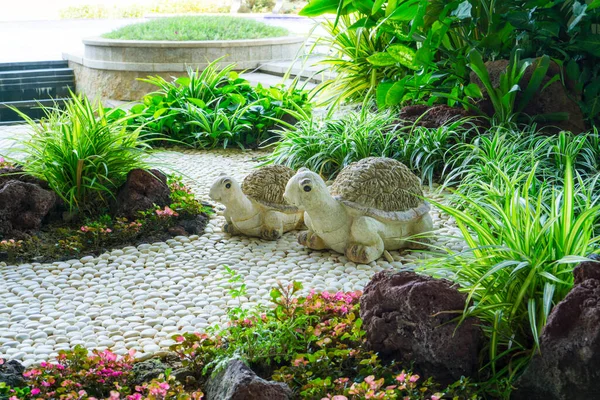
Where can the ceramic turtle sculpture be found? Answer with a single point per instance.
(373, 205)
(256, 207)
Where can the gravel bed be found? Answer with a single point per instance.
(138, 297)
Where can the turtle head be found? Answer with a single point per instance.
(305, 190)
(224, 189)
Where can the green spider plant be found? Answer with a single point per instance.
(522, 250)
(83, 151)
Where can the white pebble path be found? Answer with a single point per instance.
(138, 297)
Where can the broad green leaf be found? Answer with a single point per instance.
(159, 112)
(407, 11)
(403, 55)
(472, 90)
(381, 59)
(381, 93)
(463, 11)
(594, 4)
(318, 7)
(395, 94)
(197, 102)
(183, 81)
(377, 6)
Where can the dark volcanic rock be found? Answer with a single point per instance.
(23, 206)
(142, 190)
(147, 370)
(11, 373)
(238, 382)
(17, 174)
(553, 99)
(404, 317)
(568, 365)
(587, 270)
(432, 117)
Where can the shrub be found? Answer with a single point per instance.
(216, 107)
(522, 248)
(436, 40)
(197, 28)
(83, 151)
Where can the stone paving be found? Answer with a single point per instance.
(138, 297)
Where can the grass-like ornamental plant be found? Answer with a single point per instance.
(328, 145)
(197, 28)
(83, 151)
(523, 247)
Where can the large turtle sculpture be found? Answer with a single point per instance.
(373, 205)
(256, 207)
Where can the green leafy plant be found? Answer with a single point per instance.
(83, 151)
(522, 251)
(216, 107)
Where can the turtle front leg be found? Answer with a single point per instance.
(228, 226)
(311, 240)
(365, 244)
(272, 227)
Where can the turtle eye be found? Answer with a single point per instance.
(228, 185)
(307, 188)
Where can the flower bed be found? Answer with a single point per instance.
(313, 343)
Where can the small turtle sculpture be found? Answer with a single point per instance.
(372, 206)
(256, 207)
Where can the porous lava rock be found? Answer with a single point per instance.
(409, 317)
(23, 207)
(568, 363)
(431, 117)
(142, 191)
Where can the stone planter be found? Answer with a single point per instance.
(110, 68)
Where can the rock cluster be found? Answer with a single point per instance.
(568, 364)
(409, 317)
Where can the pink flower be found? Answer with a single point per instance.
(414, 378)
(339, 397)
(436, 396)
(179, 339)
(13, 398)
(1, 361)
(114, 395)
(35, 391)
(46, 384)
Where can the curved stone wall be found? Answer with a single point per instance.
(108, 68)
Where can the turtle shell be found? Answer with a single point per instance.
(266, 186)
(382, 188)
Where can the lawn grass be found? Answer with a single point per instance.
(197, 28)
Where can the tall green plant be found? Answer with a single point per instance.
(83, 151)
(520, 262)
